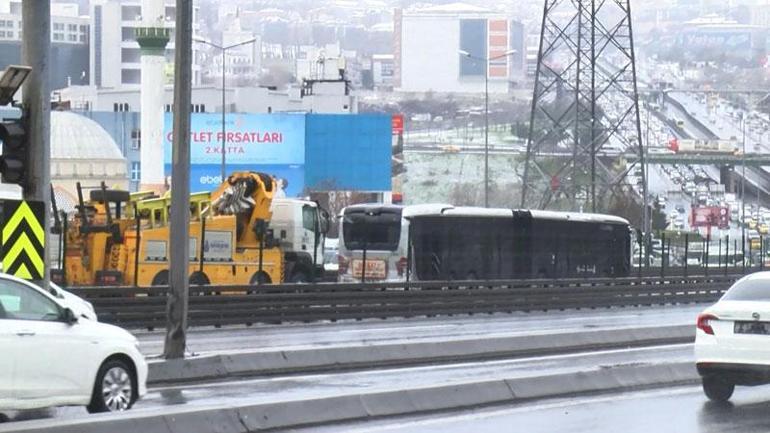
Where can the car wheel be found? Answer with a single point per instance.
(717, 389)
(114, 389)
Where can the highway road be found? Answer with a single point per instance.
(673, 410)
(302, 387)
(421, 329)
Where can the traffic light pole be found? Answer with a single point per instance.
(36, 46)
(176, 329)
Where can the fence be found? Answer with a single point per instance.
(134, 307)
(690, 254)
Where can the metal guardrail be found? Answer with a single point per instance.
(135, 307)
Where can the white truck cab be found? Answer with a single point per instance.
(300, 226)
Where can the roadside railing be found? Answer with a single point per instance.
(145, 307)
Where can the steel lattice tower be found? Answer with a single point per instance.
(584, 122)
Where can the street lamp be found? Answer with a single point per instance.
(224, 51)
(486, 113)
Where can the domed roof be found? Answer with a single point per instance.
(77, 137)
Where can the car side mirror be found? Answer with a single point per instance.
(69, 317)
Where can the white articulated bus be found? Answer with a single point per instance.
(468, 243)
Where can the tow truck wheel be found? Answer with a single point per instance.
(260, 278)
(257, 279)
(197, 279)
(299, 277)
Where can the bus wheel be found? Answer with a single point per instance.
(199, 278)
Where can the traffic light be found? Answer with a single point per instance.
(13, 134)
(14, 158)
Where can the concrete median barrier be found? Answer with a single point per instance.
(361, 406)
(221, 366)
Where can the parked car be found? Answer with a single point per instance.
(58, 359)
(731, 338)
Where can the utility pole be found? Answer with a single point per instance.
(646, 217)
(223, 169)
(486, 112)
(486, 133)
(179, 251)
(35, 52)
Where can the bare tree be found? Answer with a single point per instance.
(329, 196)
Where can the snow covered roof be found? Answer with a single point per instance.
(77, 137)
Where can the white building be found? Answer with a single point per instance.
(242, 61)
(69, 41)
(67, 26)
(115, 58)
(331, 97)
(319, 63)
(382, 70)
(428, 45)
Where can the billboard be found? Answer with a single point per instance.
(270, 143)
(349, 152)
(712, 216)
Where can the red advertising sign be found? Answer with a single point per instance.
(673, 144)
(713, 216)
(555, 183)
(397, 124)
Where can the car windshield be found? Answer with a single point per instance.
(749, 290)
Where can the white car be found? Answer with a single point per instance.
(50, 357)
(78, 305)
(731, 340)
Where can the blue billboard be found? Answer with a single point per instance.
(269, 143)
(348, 152)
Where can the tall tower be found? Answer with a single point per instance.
(584, 134)
(152, 37)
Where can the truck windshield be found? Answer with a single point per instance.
(373, 228)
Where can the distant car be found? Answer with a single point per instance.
(57, 359)
(731, 338)
(331, 265)
(680, 208)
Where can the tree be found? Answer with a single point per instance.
(330, 197)
(467, 194)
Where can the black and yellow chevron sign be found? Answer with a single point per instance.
(23, 238)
